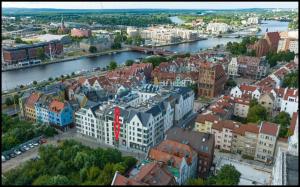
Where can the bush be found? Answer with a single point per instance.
(92, 49)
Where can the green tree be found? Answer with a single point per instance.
(112, 65)
(228, 175)
(256, 113)
(230, 83)
(50, 79)
(290, 80)
(42, 180)
(92, 49)
(283, 119)
(34, 82)
(129, 62)
(8, 101)
(40, 53)
(195, 182)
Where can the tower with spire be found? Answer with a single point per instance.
(62, 26)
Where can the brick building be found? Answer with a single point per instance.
(81, 32)
(212, 79)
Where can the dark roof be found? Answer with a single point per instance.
(292, 169)
(193, 138)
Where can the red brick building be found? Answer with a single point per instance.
(81, 32)
(273, 40)
(212, 78)
(261, 47)
(13, 55)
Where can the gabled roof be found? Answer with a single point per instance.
(121, 180)
(201, 118)
(247, 88)
(56, 106)
(269, 128)
(253, 128)
(32, 99)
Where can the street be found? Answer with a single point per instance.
(70, 134)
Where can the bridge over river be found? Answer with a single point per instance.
(154, 51)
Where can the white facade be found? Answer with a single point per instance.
(236, 92)
(252, 20)
(233, 67)
(290, 105)
(217, 28)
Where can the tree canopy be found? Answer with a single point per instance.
(70, 163)
(256, 113)
(291, 80)
(274, 57)
(92, 49)
(283, 119)
(113, 65)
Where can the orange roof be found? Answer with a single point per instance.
(121, 180)
(81, 80)
(32, 99)
(56, 106)
(290, 93)
(247, 128)
(247, 88)
(269, 128)
(201, 118)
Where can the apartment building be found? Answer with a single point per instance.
(145, 114)
(202, 143)
(233, 68)
(253, 21)
(204, 123)
(217, 28)
(180, 156)
(252, 67)
(244, 139)
(267, 138)
(81, 32)
(241, 106)
(223, 133)
(28, 108)
(289, 102)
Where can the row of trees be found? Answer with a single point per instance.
(274, 57)
(291, 80)
(227, 175)
(70, 163)
(241, 48)
(15, 131)
(135, 40)
(10, 101)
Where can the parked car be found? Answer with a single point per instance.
(12, 155)
(42, 141)
(26, 148)
(35, 143)
(6, 157)
(17, 152)
(3, 158)
(22, 149)
(30, 145)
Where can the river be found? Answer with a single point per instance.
(11, 79)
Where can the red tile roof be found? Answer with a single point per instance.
(121, 180)
(56, 106)
(228, 124)
(290, 93)
(293, 122)
(253, 128)
(247, 88)
(32, 99)
(201, 118)
(269, 128)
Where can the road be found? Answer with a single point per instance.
(70, 134)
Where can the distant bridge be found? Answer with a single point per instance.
(153, 51)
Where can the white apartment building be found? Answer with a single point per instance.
(233, 67)
(289, 102)
(145, 114)
(132, 31)
(253, 21)
(288, 44)
(268, 134)
(240, 90)
(217, 28)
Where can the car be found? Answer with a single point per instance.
(35, 143)
(43, 141)
(12, 155)
(26, 148)
(6, 157)
(3, 158)
(22, 149)
(30, 145)
(18, 152)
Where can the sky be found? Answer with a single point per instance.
(152, 5)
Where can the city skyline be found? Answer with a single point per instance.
(150, 5)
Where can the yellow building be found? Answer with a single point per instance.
(29, 106)
(204, 122)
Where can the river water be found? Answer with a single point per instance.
(11, 79)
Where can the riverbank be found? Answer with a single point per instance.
(95, 55)
(69, 59)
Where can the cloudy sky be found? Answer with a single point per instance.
(162, 5)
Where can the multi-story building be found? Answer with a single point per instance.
(81, 32)
(252, 67)
(223, 133)
(54, 112)
(244, 140)
(153, 173)
(132, 31)
(180, 156)
(233, 67)
(241, 106)
(217, 28)
(212, 79)
(28, 52)
(268, 134)
(30, 112)
(223, 108)
(289, 102)
(253, 21)
(261, 47)
(102, 43)
(204, 122)
(145, 114)
(273, 40)
(268, 102)
(202, 143)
